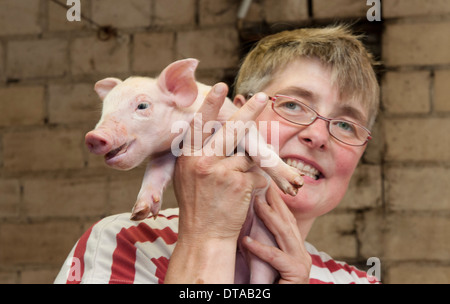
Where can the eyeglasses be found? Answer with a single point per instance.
(296, 112)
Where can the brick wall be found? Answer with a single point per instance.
(52, 189)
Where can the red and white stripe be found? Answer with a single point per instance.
(325, 270)
(117, 250)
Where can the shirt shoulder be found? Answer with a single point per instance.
(325, 270)
(119, 250)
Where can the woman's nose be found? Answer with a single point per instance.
(316, 135)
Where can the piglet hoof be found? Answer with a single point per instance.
(292, 187)
(143, 208)
(288, 179)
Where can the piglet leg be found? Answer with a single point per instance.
(287, 178)
(157, 175)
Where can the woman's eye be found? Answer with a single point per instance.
(290, 105)
(143, 106)
(346, 126)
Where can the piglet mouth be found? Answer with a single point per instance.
(117, 151)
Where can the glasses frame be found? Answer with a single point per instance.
(317, 115)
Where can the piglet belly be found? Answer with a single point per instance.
(261, 272)
(249, 268)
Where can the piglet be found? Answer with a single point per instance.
(136, 126)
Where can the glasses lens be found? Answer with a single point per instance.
(348, 132)
(293, 110)
(296, 112)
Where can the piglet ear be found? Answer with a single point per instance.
(104, 86)
(178, 80)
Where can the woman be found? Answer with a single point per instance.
(320, 86)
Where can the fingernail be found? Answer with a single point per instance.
(261, 97)
(248, 239)
(218, 89)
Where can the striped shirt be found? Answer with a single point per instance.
(117, 250)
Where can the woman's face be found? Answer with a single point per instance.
(313, 146)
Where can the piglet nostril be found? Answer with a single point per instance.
(96, 143)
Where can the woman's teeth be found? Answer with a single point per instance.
(303, 168)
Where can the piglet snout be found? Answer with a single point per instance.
(97, 143)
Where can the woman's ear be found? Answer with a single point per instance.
(239, 100)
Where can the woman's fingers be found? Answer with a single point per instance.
(224, 143)
(207, 112)
(291, 259)
(292, 269)
(286, 235)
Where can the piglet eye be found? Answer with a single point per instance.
(143, 106)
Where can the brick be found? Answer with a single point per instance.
(416, 44)
(37, 58)
(406, 92)
(410, 8)
(364, 189)
(10, 197)
(95, 161)
(169, 198)
(414, 273)
(42, 150)
(122, 14)
(289, 11)
(442, 91)
(90, 55)
(39, 276)
(339, 8)
(148, 46)
(123, 191)
(22, 106)
(333, 233)
(9, 277)
(215, 48)
(64, 197)
(421, 189)
(175, 12)
(37, 243)
(417, 139)
(370, 230)
(417, 237)
(217, 12)
(255, 12)
(74, 103)
(2, 64)
(211, 77)
(374, 152)
(19, 17)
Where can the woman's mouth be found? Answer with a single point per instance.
(306, 169)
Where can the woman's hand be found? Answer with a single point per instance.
(291, 259)
(213, 194)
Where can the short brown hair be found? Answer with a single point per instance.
(335, 46)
